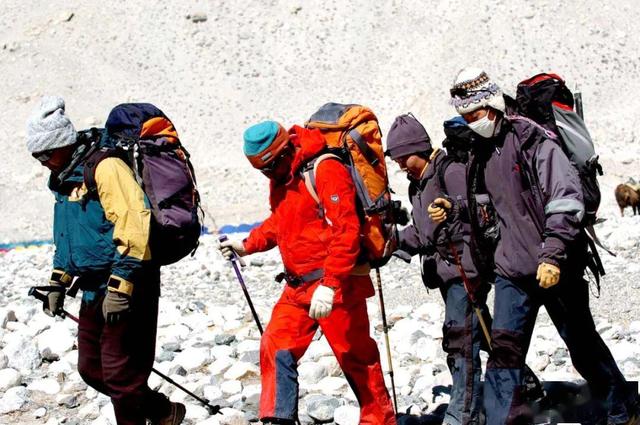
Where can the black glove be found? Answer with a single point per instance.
(115, 306)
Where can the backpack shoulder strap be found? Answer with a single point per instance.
(442, 168)
(309, 175)
(90, 164)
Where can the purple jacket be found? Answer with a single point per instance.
(426, 238)
(536, 194)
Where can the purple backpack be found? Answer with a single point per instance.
(142, 136)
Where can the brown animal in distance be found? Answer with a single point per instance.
(627, 196)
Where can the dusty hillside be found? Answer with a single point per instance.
(253, 60)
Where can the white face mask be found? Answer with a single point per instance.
(484, 126)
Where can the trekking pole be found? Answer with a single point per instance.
(467, 287)
(234, 262)
(35, 291)
(385, 329)
(532, 382)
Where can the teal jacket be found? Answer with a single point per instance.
(107, 234)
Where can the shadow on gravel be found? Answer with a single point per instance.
(566, 402)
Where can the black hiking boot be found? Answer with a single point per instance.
(175, 416)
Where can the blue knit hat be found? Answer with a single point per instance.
(263, 142)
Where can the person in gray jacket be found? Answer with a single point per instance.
(409, 145)
(526, 206)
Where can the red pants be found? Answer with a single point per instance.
(288, 336)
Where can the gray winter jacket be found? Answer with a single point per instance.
(536, 194)
(424, 237)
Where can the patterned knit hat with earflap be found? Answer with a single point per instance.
(473, 89)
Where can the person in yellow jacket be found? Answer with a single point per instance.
(102, 241)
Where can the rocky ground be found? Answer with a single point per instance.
(208, 342)
(215, 67)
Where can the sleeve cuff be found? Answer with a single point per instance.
(118, 284)
(330, 282)
(552, 252)
(60, 277)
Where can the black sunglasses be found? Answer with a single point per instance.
(43, 156)
(270, 167)
(462, 92)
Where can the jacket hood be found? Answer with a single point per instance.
(308, 143)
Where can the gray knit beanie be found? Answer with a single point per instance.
(407, 136)
(49, 127)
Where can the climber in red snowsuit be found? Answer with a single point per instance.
(324, 285)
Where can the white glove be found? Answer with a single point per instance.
(228, 247)
(321, 302)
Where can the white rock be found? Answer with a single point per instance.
(332, 385)
(540, 362)
(23, 354)
(423, 383)
(220, 365)
(251, 395)
(321, 407)
(212, 420)
(232, 417)
(426, 348)
(13, 399)
(47, 386)
(58, 339)
(193, 358)
(61, 366)
(88, 411)
(107, 412)
(196, 413)
(38, 413)
(634, 329)
(346, 415)
(212, 392)
(431, 312)
(9, 378)
(220, 351)
(241, 370)
(231, 387)
(317, 349)
(311, 373)
(248, 345)
(332, 365)
(625, 350)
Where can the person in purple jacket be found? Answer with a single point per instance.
(409, 145)
(526, 206)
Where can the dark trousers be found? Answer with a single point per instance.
(461, 339)
(515, 311)
(116, 359)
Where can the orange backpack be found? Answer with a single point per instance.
(352, 134)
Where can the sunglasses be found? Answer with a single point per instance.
(43, 156)
(462, 92)
(271, 166)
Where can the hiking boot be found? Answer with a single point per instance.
(175, 416)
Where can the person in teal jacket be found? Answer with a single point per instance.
(101, 242)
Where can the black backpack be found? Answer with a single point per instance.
(547, 100)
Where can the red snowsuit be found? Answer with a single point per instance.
(308, 243)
